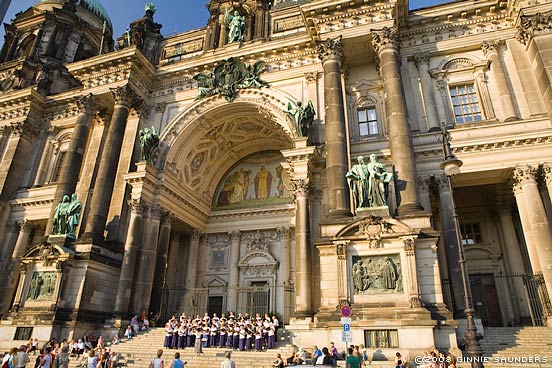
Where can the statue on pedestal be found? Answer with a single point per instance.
(302, 116)
(358, 180)
(149, 141)
(236, 27)
(369, 183)
(60, 216)
(67, 216)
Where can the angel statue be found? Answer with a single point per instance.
(206, 84)
(236, 27)
(251, 79)
(302, 116)
(149, 141)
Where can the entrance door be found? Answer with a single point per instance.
(215, 305)
(485, 299)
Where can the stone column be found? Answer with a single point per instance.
(71, 166)
(300, 188)
(146, 266)
(233, 271)
(449, 242)
(547, 177)
(385, 43)
(42, 170)
(525, 176)
(283, 269)
(526, 227)
(133, 240)
(193, 253)
(10, 237)
(14, 269)
(490, 50)
(105, 179)
(331, 53)
(428, 93)
(161, 261)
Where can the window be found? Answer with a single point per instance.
(381, 338)
(465, 103)
(471, 234)
(57, 170)
(368, 121)
(23, 333)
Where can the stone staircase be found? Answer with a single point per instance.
(138, 352)
(502, 345)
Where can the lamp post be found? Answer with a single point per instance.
(451, 166)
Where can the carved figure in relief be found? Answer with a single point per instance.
(372, 275)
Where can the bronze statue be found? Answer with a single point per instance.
(358, 180)
(67, 216)
(236, 27)
(378, 188)
(60, 216)
(302, 116)
(149, 141)
(73, 216)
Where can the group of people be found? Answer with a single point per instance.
(52, 354)
(438, 359)
(324, 356)
(241, 332)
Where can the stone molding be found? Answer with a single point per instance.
(311, 77)
(330, 49)
(385, 38)
(489, 47)
(532, 25)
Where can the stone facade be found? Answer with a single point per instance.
(237, 210)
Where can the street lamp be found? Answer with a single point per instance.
(451, 166)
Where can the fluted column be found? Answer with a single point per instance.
(193, 253)
(107, 170)
(525, 176)
(386, 43)
(428, 93)
(233, 271)
(146, 266)
(71, 166)
(490, 49)
(449, 242)
(300, 188)
(133, 239)
(331, 54)
(161, 261)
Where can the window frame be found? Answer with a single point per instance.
(465, 84)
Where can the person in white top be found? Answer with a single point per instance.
(157, 362)
(228, 363)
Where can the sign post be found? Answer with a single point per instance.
(347, 334)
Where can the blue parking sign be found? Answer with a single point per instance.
(346, 327)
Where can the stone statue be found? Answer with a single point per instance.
(358, 179)
(236, 27)
(378, 186)
(302, 116)
(149, 141)
(60, 216)
(73, 216)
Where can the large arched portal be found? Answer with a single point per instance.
(223, 172)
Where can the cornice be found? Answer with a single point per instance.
(252, 212)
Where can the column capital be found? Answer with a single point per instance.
(547, 173)
(24, 129)
(235, 235)
(26, 226)
(341, 249)
(284, 232)
(489, 47)
(300, 187)
(167, 218)
(124, 96)
(155, 212)
(440, 184)
(86, 104)
(196, 234)
(523, 175)
(311, 77)
(330, 49)
(137, 206)
(385, 38)
(409, 245)
(421, 58)
(13, 226)
(531, 25)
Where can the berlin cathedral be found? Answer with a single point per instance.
(291, 157)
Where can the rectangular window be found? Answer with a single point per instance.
(368, 122)
(465, 104)
(57, 171)
(471, 234)
(381, 338)
(23, 333)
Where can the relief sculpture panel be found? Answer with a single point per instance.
(376, 275)
(42, 286)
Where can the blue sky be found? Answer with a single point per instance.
(175, 15)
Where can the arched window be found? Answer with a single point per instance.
(365, 112)
(26, 46)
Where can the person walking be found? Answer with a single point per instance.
(177, 363)
(157, 362)
(352, 360)
(228, 362)
(21, 358)
(63, 357)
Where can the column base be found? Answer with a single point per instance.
(339, 214)
(410, 210)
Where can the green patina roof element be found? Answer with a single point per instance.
(93, 6)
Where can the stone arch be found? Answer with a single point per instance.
(458, 62)
(376, 226)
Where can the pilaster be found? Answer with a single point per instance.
(432, 117)
(233, 270)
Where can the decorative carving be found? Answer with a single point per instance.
(42, 286)
(155, 212)
(523, 174)
(409, 246)
(531, 25)
(489, 47)
(421, 58)
(235, 235)
(167, 218)
(341, 250)
(415, 302)
(547, 173)
(196, 235)
(230, 77)
(136, 206)
(302, 116)
(257, 241)
(24, 129)
(13, 226)
(330, 49)
(300, 187)
(26, 226)
(374, 275)
(387, 37)
(86, 104)
(372, 227)
(311, 77)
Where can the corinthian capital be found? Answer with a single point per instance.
(547, 173)
(523, 175)
(387, 37)
(330, 49)
(421, 58)
(489, 47)
(136, 206)
(532, 25)
(300, 187)
(86, 104)
(24, 129)
(124, 96)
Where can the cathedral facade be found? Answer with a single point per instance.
(216, 170)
